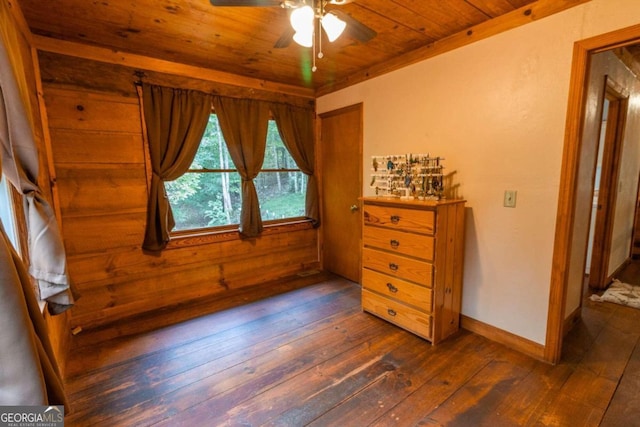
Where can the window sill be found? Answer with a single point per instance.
(219, 234)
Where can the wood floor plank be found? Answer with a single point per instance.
(226, 340)
(566, 411)
(383, 367)
(624, 405)
(594, 318)
(235, 387)
(613, 346)
(585, 396)
(526, 403)
(231, 380)
(199, 369)
(256, 403)
(418, 387)
(92, 357)
(310, 356)
(183, 364)
(476, 401)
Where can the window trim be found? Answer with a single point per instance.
(226, 233)
(207, 170)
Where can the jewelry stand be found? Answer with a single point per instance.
(408, 176)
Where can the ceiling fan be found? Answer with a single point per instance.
(305, 17)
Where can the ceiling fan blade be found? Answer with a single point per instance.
(252, 3)
(355, 28)
(285, 39)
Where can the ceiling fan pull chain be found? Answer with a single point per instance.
(320, 54)
(319, 26)
(314, 68)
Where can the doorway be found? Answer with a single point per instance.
(571, 192)
(341, 189)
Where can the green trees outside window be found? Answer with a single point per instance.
(208, 194)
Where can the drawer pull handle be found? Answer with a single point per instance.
(395, 219)
(392, 288)
(393, 266)
(391, 312)
(394, 243)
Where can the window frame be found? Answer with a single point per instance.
(19, 222)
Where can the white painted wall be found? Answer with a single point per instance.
(496, 111)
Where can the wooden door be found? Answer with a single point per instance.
(607, 190)
(341, 189)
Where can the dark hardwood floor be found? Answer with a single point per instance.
(630, 273)
(310, 356)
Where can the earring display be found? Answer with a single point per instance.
(408, 176)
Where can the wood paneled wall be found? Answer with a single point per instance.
(99, 165)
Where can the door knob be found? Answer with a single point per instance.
(354, 208)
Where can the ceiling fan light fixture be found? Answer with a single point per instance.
(333, 26)
(302, 19)
(304, 38)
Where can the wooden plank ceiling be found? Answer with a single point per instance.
(240, 40)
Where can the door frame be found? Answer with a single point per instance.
(582, 51)
(607, 189)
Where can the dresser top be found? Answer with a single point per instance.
(414, 203)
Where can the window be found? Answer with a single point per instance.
(6, 212)
(209, 193)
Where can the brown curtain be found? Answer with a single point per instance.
(244, 125)
(176, 120)
(295, 126)
(48, 263)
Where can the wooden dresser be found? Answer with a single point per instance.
(412, 259)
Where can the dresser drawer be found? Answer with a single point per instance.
(416, 245)
(398, 266)
(419, 221)
(401, 290)
(406, 317)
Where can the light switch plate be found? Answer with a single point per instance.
(510, 198)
